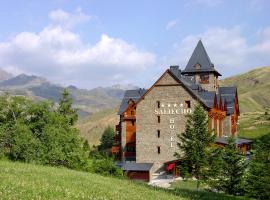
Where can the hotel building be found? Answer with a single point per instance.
(149, 120)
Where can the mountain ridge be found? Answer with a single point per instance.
(87, 101)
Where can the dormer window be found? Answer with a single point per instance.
(197, 66)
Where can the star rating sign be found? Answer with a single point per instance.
(181, 105)
(162, 105)
(175, 105)
(169, 105)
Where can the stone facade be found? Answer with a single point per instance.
(212, 84)
(168, 92)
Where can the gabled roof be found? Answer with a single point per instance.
(200, 57)
(130, 95)
(226, 94)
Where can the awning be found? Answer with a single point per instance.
(169, 167)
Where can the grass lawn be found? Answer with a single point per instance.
(27, 181)
(189, 187)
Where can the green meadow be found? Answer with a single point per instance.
(28, 181)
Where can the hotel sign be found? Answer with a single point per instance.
(172, 109)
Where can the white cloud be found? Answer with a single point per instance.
(171, 24)
(228, 49)
(68, 20)
(59, 54)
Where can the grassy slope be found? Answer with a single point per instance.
(254, 97)
(253, 125)
(25, 181)
(253, 89)
(91, 128)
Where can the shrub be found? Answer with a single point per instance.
(106, 167)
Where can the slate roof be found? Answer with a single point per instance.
(238, 141)
(135, 95)
(207, 97)
(200, 56)
(132, 166)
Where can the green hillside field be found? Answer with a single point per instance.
(91, 128)
(253, 89)
(27, 181)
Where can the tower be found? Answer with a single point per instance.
(202, 69)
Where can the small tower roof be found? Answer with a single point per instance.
(200, 61)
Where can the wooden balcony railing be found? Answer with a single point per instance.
(127, 117)
(117, 128)
(117, 138)
(130, 154)
(115, 149)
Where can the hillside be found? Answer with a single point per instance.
(253, 89)
(26, 181)
(92, 127)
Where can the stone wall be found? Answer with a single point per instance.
(147, 140)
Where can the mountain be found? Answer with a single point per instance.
(5, 75)
(87, 101)
(253, 89)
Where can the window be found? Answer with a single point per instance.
(187, 104)
(158, 119)
(204, 78)
(158, 149)
(132, 112)
(158, 133)
(158, 104)
(133, 123)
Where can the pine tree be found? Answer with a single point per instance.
(258, 180)
(65, 108)
(107, 139)
(195, 143)
(229, 169)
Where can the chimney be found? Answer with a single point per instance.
(175, 70)
(174, 67)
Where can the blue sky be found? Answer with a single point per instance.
(91, 43)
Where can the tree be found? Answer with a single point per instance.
(194, 144)
(36, 132)
(107, 139)
(258, 180)
(229, 169)
(65, 108)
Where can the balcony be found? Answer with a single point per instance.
(129, 117)
(117, 138)
(117, 128)
(116, 149)
(130, 154)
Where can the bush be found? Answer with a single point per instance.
(106, 167)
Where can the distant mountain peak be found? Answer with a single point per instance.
(4, 75)
(124, 87)
(23, 80)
